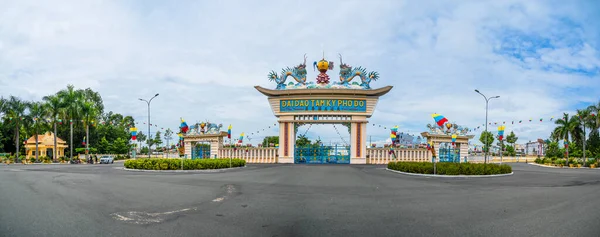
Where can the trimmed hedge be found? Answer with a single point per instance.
(175, 164)
(447, 168)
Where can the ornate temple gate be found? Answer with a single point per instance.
(442, 143)
(294, 107)
(214, 143)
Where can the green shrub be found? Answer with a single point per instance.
(175, 164)
(447, 168)
(538, 160)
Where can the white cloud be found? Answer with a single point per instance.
(205, 57)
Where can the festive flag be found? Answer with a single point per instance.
(513, 122)
(241, 138)
(541, 119)
(501, 132)
(83, 143)
(229, 132)
(428, 147)
(393, 136)
(551, 118)
(184, 127)
(439, 119)
(133, 132)
(453, 139)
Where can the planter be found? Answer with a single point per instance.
(578, 165)
(571, 165)
(593, 166)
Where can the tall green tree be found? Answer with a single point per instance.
(71, 103)
(595, 119)
(53, 107)
(487, 138)
(16, 111)
(567, 128)
(512, 139)
(89, 113)
(37, 115)
(2, 113)
(157, 139)
(168, 137)
(141, 137)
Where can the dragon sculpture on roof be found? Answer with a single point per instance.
(298, 73)
(347, 73)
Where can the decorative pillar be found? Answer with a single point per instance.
(287, 141)
(358, 140)
(188, 149)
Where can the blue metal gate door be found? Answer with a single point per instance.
(449, 154)
(200, 152)
(322, 155)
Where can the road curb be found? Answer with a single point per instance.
(555, 167)
(181, 171)
(451, 176)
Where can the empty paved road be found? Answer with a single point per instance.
(294, 200)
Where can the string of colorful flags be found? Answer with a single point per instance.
(517, 122)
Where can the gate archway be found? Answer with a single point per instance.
(327, 106)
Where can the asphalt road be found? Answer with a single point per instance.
(294, 200)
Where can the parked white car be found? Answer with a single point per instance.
(106, 160)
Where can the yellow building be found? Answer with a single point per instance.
(45, 145)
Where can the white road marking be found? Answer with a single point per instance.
(142, 218)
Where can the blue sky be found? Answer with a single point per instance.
(204, 57)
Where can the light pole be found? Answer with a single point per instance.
(487, 100)
(149, 135)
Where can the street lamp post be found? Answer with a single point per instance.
(149, 135)
(487, 100)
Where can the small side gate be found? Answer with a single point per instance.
(200, 152)
(322, 155)
(449, 154)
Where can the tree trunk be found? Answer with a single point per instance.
(71, 146)
(37, 150)
(55, 151)
(17, 140)
(87, 141)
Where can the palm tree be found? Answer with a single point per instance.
(566, 126)
(595, 120)
(53, 108)
(89, 113)
(15, 109)
(36, 113)
(168, 137)
(71, 103)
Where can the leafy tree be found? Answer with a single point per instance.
(36, 114)
(16, 111)
(270, 139)
(144, 150)
(552, 151)
(302, 141)
(157, 140)
(487, 138)
(594, 121)
(568, 127)
(510, 151)
(141, 137)
(593, 143)
(120, 146)
(103, 146)
(168, 136)
(512, 139)
(53, 109)
(71, 104)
